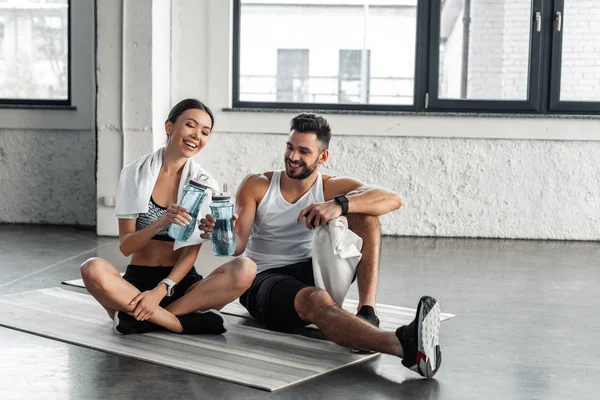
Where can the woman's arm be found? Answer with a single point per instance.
(146, 303)
(132, 240)
(184, 264)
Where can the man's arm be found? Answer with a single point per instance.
(249, 194)
(245, 207)
(362, 199)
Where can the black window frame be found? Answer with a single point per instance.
(543, 75)
(49, 103)
(556, 104)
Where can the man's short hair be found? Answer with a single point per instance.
(312, 123)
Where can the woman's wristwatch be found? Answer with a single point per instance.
(170, 286)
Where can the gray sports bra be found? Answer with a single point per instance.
(154, 212)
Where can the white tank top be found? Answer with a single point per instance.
(276, 239)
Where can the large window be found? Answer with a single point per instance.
(529, 56)
(34, 52)
(353, 52)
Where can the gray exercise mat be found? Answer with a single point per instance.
(246, 355)
(391, 316)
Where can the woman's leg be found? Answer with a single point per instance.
(221, 287)
(114, 293)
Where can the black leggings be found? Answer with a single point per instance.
(146, 278)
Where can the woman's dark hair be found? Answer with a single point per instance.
(312, 123)
(189, 104)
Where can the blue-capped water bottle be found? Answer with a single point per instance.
(194, 194)
(223, 234)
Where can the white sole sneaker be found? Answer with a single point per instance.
(116, 322)
(429, 355)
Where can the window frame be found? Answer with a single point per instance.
(543, 82)
(235, 79)
(49, 103)
(80, 115)
(530, 105)
(556, 104)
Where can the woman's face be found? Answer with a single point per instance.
(190, 132)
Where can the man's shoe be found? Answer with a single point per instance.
(209, 322)
(368, 314)
(125, 324)
(420, 339)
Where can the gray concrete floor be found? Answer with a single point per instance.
(526, 326)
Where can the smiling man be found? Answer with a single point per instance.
(276, 212)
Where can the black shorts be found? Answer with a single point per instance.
(270, 298)
(146, 278)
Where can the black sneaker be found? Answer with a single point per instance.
(368, 314)
(125, 324)
(209, 322)
(420, 339)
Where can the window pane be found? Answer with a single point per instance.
(34, 49)
(351, 88)
(484, 49)
(292, 75)
(580, 70)
(353, 51)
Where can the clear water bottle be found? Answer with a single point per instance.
(223, 235)
(194, 194)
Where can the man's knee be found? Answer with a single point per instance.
(243, 272)
(312, 301)
(363, 222)
(93, 272)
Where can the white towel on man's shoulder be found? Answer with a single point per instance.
(336, 254)
(137, 181)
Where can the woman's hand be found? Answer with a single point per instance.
(175, 215)
(146, 303)
(207, 224)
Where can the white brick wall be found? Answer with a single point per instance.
(581, 51)
(486, 50)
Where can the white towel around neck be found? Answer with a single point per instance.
(137, 181)
(336, 254)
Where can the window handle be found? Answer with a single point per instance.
(558, 21)
(538, 21)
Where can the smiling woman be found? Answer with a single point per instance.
(161, 288)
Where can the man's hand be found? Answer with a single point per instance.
(320, 214)
(146, 303)
(208, 223)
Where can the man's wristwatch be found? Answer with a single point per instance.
(342, 200)
(170, 286)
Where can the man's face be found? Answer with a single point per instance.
(303, 155)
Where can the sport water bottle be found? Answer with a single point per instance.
(223, 235)
(194, 194)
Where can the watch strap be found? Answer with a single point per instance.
(342, 200)
(170, 286)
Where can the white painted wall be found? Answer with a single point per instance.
(478, 177)
(134, 90)
(451, 187)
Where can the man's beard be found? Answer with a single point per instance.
(305, 172)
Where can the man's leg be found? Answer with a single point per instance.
(367, 272)
(416, 343)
